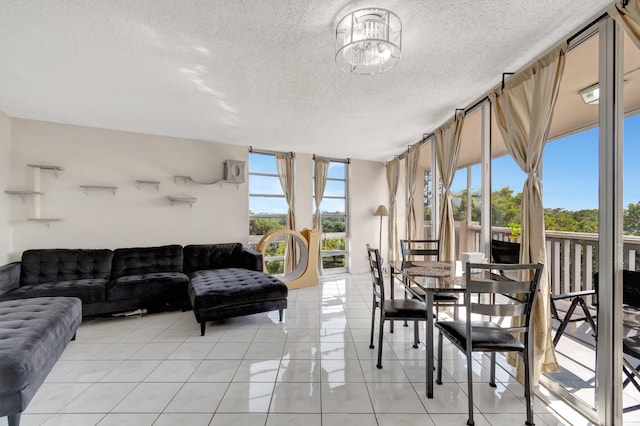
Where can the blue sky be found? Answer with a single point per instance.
(570, 170)
(271, 185)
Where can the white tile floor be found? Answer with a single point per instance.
(314, 368)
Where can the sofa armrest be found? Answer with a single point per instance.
(251, 259)
(9, 277)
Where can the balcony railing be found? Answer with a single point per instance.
(572, 257)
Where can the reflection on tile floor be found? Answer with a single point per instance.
(314, 368)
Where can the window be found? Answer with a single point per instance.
(333, 219)
(267, 208)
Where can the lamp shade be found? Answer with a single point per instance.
(381, 211)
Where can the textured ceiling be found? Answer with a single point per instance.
(262, 73)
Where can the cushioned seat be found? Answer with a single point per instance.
(482, 342)
(146, 285)
(34, 333)
(223, 293)
(89, 290)
(404, 308)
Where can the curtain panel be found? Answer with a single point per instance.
(447, 143)
(393, 180)
(320, 173)
(284, 163)
(524, 109)
(628, 17)
(412, 161)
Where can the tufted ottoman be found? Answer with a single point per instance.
(231, 292)
(34, 333)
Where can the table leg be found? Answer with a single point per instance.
(391, 290)
(429, 342)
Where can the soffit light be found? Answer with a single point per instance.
(368, 41)
(590, 95)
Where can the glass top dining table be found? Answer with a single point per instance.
(432, 277)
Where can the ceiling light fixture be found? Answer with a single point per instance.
(590, 95)
(368, 41)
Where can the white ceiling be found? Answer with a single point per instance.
(262, 72)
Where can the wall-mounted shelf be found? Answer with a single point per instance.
(182, 200)
(54, 169)
(46, 220)
(24, 194)
(88, 188)
(187, 179)
(142, 182)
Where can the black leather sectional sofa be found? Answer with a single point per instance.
(110, 281)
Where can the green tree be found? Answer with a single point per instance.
(632, 219)
(264, 225)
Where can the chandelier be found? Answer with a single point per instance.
(368, 41)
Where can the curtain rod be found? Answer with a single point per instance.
(335, 160)
(264, 151)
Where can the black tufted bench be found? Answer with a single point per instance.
(33, 334)
(230, 292)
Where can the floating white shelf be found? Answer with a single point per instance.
(141, 182)
(88, 188)
(182, 200)
(54, 169)
(24, 194)
(46, 220)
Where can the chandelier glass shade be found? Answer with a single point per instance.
(368, 41)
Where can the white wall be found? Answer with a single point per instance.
(5, 226)
(134, 217)
(368, 189)
(144, 217)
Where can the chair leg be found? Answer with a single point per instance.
(527, 386)
(492, 382)
(416, 334)
(373, 321)
(379, 364)
(470, 385)
(439, 376)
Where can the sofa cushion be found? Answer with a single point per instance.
(146, 260)
(233, 286)
(147, 285)
(212, 256)
(52, 265)
(89, 291)
(9, 277)
(32, 331)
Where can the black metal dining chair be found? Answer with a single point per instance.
(416, 250)
(566, 308)
(390, 309)
(510, 300)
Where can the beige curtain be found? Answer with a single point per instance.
(412, 160)
(284, 162)
(321, 170)
(628, 17)
(524, 109)
(447, 150)
(393, 180)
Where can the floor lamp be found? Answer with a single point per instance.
(381, 211)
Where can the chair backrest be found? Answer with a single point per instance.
(375, 262)
(505, 252)
(420, 248)
(514, 298)
(630, 287)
